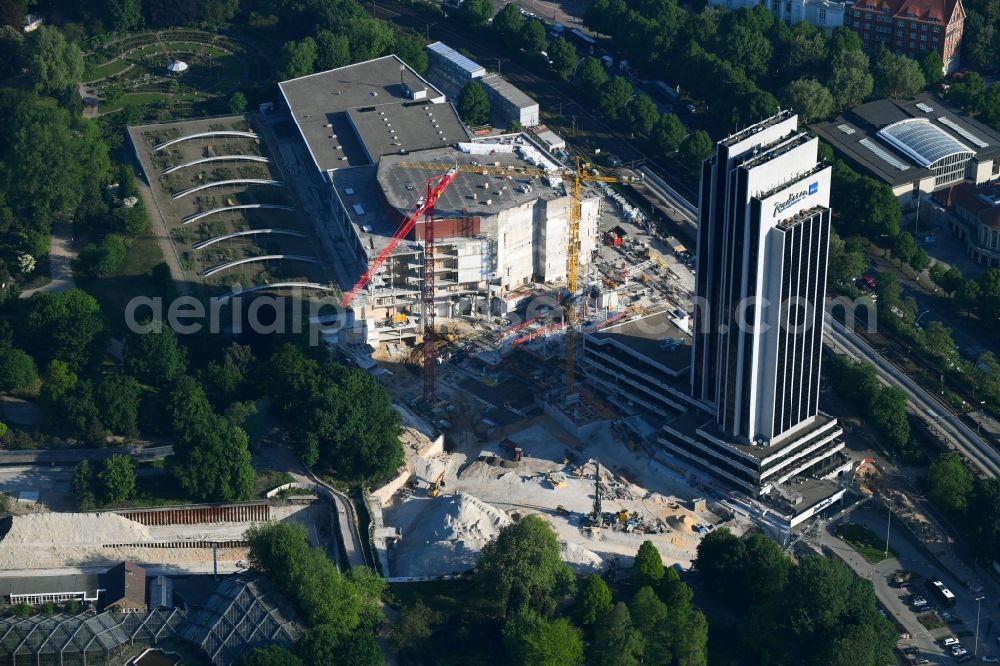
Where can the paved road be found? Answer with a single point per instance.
(912, 558)
(347, 521)
(940, 417)
(61, 256)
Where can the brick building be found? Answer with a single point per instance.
(910, 27)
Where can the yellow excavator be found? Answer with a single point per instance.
(436, 488)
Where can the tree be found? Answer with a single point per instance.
(563, 56)
(532, 37)
(591, 76)
(473, 104)
(896, 75)
(850, 81)
(155, 358)
(526, 553)
(920, 260)
(413, 53)
(642, 114)
(211, 460)
(237, 102)
(616, 642)
(67, 326)
(668, 133)
(325, 644)
(130, 221)
(809, 98)
(369, 38)
(765, 568)
(904, 247)
(56, 65)
(695, 149)
(652, 619)
(932, 67)
(104, 259)
(332, 50)
(530, 639)
(647, 569)
(969, 92)
(749, 49)
(297, 58)
(475, 13)
(888, 415)
(938, 342)
(219, 11)
(720, 555)
(845, 262)
(117, 478)
(507, 23)
(125, 15)
(949, 482)
(411, 634)
(117, 397)
(340, 604)
(271, 655)
(979, 42)
(615, 96)
(17, 369)
(82, 486)
(592, 597)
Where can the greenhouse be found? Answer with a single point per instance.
(86, 639)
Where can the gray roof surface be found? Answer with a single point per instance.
(325, 98)
(646, 336)
(866, 120)
(365, 193)
(509, 91)
(394, 177)
(49, 584)
(391, 128)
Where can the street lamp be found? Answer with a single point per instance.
(979, 603)
(888, 526)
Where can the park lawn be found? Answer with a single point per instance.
(132, 279)
(110, 68)
(137, 99)
(867, 543)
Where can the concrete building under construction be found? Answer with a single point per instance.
(376, 132)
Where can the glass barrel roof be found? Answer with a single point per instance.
(923, 141)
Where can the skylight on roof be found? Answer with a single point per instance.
(885, 155)
(964, 132)
(925, 108)
(926, 143)
(846, 129)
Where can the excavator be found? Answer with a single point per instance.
(436, 488)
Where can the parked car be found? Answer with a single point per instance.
(990, 659)
(951, 640)
(913, 649)
(958, 651)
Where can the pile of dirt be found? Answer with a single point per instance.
(581, 559)
(447, 538)
(67, 529)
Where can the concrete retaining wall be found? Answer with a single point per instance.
(385, 493)
(294, 484)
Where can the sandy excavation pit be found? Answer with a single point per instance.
(483, 489)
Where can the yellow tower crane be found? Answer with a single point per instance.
(580, 174)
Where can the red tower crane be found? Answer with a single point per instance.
(435, 188)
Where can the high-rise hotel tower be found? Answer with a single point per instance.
(763, 237)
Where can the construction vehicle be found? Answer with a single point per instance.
(623, 516)
(436, 488)
(582, 173)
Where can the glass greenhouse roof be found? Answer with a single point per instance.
(923, 141)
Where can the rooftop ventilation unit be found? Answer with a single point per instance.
(923, 107)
